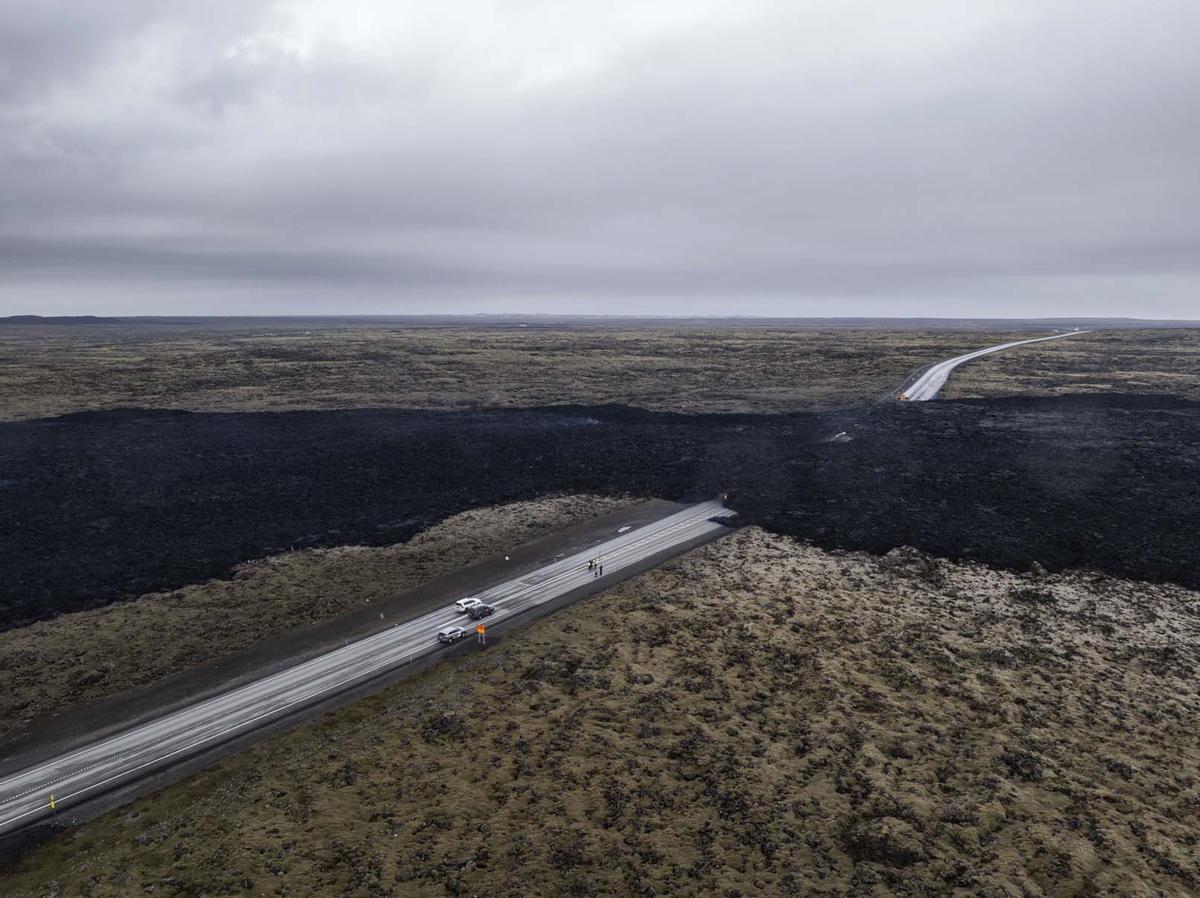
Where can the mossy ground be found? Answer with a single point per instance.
(53, 370)
(90, 655)
(759, 717)
(1161, 362)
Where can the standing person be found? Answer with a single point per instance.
(600, 573)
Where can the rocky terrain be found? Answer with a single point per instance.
(104, 506)
(82, 657)
(1163, 362)
(760, 717)
(50, 370)
(1000, 701)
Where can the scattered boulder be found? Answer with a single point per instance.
(885, 840)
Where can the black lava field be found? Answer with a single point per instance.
(97, 507)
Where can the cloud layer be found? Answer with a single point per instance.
(999, 157)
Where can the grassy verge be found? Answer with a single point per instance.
(91, 655)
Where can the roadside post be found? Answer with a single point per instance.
(481, 634)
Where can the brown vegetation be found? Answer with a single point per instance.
(757, 718)
(90, 655)
(1161, 362)
(49, 371)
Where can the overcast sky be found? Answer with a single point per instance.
(853, 157)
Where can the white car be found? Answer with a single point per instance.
(462, 606)
(451, 634)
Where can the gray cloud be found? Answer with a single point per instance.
(1006, 157)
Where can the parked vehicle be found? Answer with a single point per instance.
(462, 606)
(451, 634)
(479, 612)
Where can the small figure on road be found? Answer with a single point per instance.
(591, 563)
(601, 571)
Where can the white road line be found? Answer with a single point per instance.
(650, 533)
(323, 675)
(926, 386)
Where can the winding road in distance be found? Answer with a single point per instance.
(932, 379)
(56, 784)
(77, 776)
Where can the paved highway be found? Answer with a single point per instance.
(926, 386)
(25, 797)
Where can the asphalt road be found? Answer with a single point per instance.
(79, 775)
(933, 378)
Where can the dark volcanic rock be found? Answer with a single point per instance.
(98, 506)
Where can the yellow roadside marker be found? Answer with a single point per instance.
(52, 801)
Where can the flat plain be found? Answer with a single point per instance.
(768, 715)
(52, 370)
(1157, 362)
(56, 369)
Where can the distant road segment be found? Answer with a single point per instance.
(26, 797)
(932, 379)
